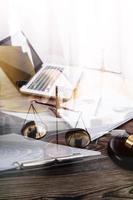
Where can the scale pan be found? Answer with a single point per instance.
(34, 130)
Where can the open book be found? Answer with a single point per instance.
(97, 116)
(19, 152)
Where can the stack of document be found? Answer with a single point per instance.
(16, 63)
(19, 152)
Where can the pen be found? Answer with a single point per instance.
(97, 106)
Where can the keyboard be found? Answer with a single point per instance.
(46, 79)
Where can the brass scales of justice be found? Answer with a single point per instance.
(37, 129)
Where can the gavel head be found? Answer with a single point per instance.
(120, 149)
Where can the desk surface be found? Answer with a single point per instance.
(86, 180)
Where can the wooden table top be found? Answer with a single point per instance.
(85, 180)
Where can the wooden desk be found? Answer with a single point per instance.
(86, 180)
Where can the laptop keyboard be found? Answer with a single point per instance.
(45, 80)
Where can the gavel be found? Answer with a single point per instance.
(120, 149)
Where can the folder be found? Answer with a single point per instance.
(17, 152)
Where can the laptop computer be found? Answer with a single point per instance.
(26, 66)
(44, 82)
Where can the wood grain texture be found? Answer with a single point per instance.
(98, 179)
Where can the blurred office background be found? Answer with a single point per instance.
(95, 34)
